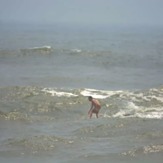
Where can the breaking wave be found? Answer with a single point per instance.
(18, 103)
(42, 50)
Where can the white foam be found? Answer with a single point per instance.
(139, 112)
(95, 95)
(76, 50)
(151, 115)
(132, 106)
(120, 114)
(99, 94)
(160, 99)
(42, 47)
(58, 93)
(128, 111)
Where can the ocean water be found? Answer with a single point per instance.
(46, 74)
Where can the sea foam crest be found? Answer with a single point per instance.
(134, 111)
(41, 48)
(76, 50)
(58, 93)
(45, 48)
(99, 94)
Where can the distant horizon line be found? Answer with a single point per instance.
(5, 22)
(16, 25)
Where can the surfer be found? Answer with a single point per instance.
(95, 106)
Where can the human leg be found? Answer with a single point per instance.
(90, 115)
(96, 115)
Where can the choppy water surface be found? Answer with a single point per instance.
(46, 77)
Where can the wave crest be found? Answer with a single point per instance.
(42, 50)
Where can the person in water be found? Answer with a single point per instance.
(95, 106)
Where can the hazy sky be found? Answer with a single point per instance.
(83, 11)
